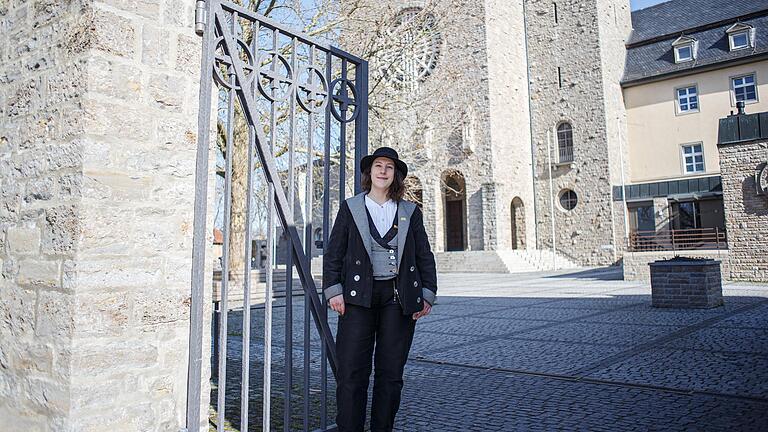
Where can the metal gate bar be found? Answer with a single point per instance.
(243, 75)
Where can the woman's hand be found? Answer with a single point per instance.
(337, 304)
(424, 311)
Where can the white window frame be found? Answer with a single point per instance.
(733, 87)
(677, 99)
(557, 141)
(738, 29)
(694, 154)
(560, 195)
(732, 44)
(679, 59)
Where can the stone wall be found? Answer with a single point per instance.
(42, 79)
(636, 263)
(746, 211)
(97, 148)
(509, 122)
(586, 44)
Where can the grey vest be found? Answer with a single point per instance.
(404, 211)
(384, 261)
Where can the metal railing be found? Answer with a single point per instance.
(673, 240)
(565, 154)
(274, 81)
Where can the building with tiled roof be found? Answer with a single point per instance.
(688, 62)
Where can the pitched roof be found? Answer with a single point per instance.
(654, 56)
(676, 16)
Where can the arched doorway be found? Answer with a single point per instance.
(517, 217)
(455, 211)
(414, 191)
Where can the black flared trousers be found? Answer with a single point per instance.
(381, 333)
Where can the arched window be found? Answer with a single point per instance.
(565, 142)
(517, 217)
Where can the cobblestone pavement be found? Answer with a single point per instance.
(553, 351)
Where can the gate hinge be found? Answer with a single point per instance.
(201, 17)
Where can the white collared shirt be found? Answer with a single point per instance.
(382, 214)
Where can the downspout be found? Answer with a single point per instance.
(623, 186)
(551, 201)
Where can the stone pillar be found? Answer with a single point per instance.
(98, 109)
(434, 204)
(661, 214)
(489, 206)
(474, 233)
(431, 205)
(744, 172)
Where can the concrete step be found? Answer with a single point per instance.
(504, 261)
(540, 260)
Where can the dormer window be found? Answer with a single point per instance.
(684, 53)
(740, 36)
(685, 49)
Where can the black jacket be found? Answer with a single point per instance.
(347, 267)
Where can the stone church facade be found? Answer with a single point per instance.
(491, 95)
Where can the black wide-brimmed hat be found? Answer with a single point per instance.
(386, 152)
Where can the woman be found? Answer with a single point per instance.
(379, 275)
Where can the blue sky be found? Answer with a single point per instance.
(640, 4)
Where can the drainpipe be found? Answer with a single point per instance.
(551, 200)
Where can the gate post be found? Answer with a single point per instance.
(97, 176)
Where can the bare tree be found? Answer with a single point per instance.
(403, 47)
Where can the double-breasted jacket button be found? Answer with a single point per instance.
(392, 257)
(353, 293)
(413, 268)
(391, 251)
(415, 283)
(357, 262)
(418, 299)
(356, 278)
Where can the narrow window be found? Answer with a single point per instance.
(693, 158)
(555, 8)
(744, 88)
(687, 99)
(559, 77)
(565, 142)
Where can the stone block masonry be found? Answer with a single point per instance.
(686, 283)
(98, 110)
(576, 60)
(746, 210)
(635, 264)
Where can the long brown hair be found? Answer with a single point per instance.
(396, 189)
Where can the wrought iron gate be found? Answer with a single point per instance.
(289, 90)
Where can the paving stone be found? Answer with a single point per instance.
(736, 340)
(729, 373)
(547, 353)
(596, 333)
